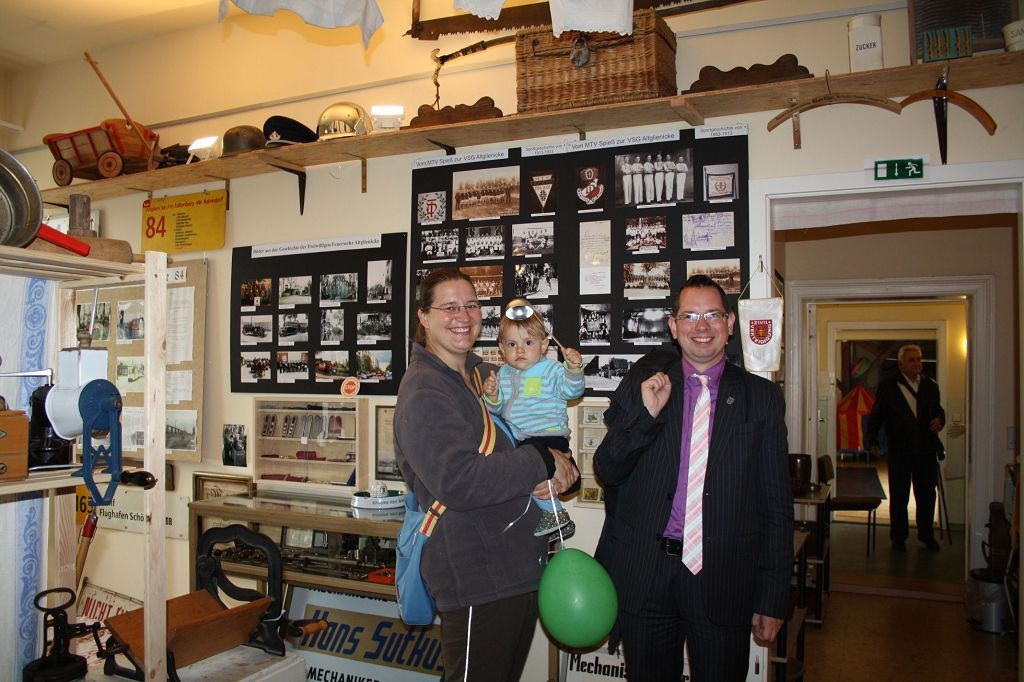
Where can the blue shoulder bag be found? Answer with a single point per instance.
(415, 603)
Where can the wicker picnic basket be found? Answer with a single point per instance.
(621, 68)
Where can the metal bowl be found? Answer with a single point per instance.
(21, 205)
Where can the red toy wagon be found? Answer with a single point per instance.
(106, 151)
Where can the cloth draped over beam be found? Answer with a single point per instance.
(615, 16)
(850, 414)
(323, 13)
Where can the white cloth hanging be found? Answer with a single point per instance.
(615, 16)
(488, 9)
(330, 14)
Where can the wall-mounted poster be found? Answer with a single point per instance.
(308, 315)
(624, 221)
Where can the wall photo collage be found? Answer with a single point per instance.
(308, 315)
(598, 236)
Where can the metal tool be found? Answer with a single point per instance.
(520, 309)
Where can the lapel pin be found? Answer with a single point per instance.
(730, 400)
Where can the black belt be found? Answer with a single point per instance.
(671, 546)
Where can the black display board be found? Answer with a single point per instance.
(308, 315)
(593, 235)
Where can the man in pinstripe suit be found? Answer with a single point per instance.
(747, 515)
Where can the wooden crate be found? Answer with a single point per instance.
(621, 68)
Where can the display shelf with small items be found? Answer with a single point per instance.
(588, 434)
(312, 447)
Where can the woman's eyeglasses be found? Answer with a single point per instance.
(710, 317)
(452, 309)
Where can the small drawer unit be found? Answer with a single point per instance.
(315, 447)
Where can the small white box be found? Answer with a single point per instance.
(865, 42)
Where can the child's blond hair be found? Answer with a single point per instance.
(532, 325)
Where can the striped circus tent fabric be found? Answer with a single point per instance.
(850, 414)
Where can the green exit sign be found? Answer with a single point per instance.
(899, 169)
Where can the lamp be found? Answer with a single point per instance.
(204, 148)
(387, 116)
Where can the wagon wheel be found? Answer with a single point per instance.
(62, 172)
(110, 164)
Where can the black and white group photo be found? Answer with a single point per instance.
(533, 239)
(646, 234)
(292, 366)
(595, 321)
(647, 326)
(342, 287)
(440, 245)
(484, 241)
(332, 326)
(485, 193)
(490, 319)
(605, 372)
(255, 366)
(233, 453)
(378, 281)
(255, 292)
(373, 326)
(486, 280)
(659, 177)
(295, 291)
(538, 280)
(725, 271)
(646, 280)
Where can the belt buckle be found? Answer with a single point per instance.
(672, 546)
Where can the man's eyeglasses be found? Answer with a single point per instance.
(710, 317)
(452, 309)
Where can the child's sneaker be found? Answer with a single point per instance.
(549, 522)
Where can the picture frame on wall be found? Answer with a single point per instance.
(985, 18)
(591, 493)
(385, 464)
(206, 485)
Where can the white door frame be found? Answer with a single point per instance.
(763, 192)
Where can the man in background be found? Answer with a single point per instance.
(907, 405)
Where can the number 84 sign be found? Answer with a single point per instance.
(186, 222)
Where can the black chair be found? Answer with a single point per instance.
(869, 504)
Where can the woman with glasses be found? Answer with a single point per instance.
(482, 563)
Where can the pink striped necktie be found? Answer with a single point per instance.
(700, 434)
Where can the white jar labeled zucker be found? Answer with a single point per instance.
(865, 42)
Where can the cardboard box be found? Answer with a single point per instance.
(13, 445)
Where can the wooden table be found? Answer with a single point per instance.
(819, 501)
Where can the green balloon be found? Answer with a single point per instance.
(577, 600)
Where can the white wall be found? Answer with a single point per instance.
(239, 66)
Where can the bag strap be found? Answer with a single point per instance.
(490, 437)
(431, 517)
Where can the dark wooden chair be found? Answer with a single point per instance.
(844, 502)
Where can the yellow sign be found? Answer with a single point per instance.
(186, 222)
(82, 505)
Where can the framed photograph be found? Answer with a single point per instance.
(592, 415)
(207, 484)
(592, 438)
(591, 493)
(385, 467)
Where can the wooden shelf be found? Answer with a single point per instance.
(694, 109)
(62, 268)
(39, 481)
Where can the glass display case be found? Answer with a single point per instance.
(311, 446)
(325, 543)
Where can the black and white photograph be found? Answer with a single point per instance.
(338, 288)
(374, 365)
(131, 322)
(592, 438)
(485, 242)
(645, 326)
(256, 329)
(536, 280)
(709, 231)
(605, 372)
(595, 321)
(331, 365)
(255, 292)
(332, 326)
(292, 366)
(590, 187)
(593, 414)
(646, 280)
(485, 193)
(490, 319)
(255, 367)
(98, 323)
(437, 246)
(486, 280)
(654, 177)
(431, 208)
(233, 454)
(293, 291)
(378, 281)
(541, 196)
(130, 374)
(533, 239)
(181, 430)
(725, 271)
(373, 326)
(292, 328)
(647, 234)
(720, 182)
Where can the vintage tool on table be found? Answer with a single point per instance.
(57, 663)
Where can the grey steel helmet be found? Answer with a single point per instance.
(243, 139)
(343, 119)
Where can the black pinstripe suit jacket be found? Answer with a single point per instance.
(748, 503)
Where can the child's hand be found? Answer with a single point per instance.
(573, 359)
(491, 386)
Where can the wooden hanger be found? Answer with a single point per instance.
(962, 101)
(829, 98)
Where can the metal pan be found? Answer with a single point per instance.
(21, 210)
(21, 205)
